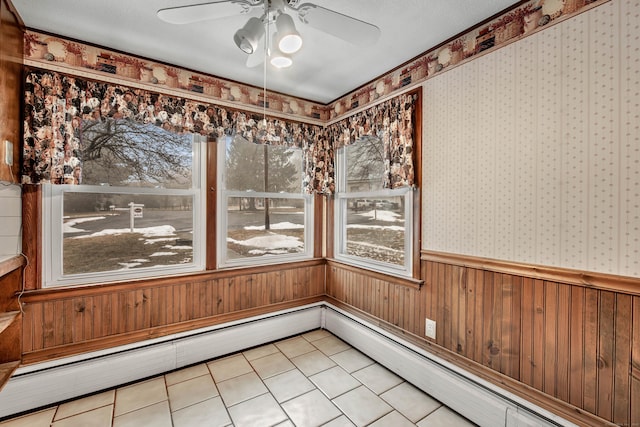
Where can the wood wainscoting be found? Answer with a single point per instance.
(11, 62)
(70, 321)
(566, 340)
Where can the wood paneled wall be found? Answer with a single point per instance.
(64, 322)
(11, 60)
(572, 342)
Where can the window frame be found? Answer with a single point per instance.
(53, 236)
(342, 197)
(223, 195)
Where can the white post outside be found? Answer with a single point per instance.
(135, 211)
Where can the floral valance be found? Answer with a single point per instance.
(56, 105)
(391, 121)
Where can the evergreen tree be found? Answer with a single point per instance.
(245, 167)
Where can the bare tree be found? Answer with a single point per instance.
(120, 151)
(366, 161)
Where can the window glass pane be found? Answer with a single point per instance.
(122, 152)
(253, 231)
(103, 232)
(365, 165)
(376, 229)
(245, 167)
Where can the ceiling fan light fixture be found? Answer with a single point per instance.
(280, 60)
(247, 37)
(289, 40)
(277, 58)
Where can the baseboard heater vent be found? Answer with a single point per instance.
(477, 400)
(44, 384)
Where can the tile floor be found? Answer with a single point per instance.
(314, 379)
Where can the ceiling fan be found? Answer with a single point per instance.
(275, 24)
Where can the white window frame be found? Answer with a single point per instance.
(342, 198)
(52, 228)
(224, 195)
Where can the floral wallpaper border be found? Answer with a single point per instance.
(53, 51)
(521, 21)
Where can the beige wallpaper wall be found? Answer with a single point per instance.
(532, 152)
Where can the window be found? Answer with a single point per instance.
(138, 212)
(373, 224)
(265, 217)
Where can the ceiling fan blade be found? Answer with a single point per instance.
(204, 11)
(342, 26)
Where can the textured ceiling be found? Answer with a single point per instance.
(325, 69)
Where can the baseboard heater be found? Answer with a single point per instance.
(44, 384)
(478, 400)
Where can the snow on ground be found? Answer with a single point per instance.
(271, 242)
(271, 252)
(159, 231)
(164, 253)
(374, 246)
(380, 215)
(128, 265)
(278, 226)
(377, 227)
(177, 248)
(69, 226)
(160, 239)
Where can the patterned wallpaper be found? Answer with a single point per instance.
(522, 21)
(532, 153)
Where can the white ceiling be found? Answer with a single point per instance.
(324, 69)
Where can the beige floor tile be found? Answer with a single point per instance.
(362, 406)
(85, 404)
(313, 362)
(210, 413)
(100, 417)
(303, 381)
(241, 388)
(394, 419)
(316, 335)
(334, 381)
(410, 401)
(311, 409)
(271, 365)
(192, 391)
(259, 411)
(186, 374)
(351, 360)
(341, 421)
(37, 419)
(294, 347)
(445, 417)
(258, 352)
(288, 385)
(229, 367)
(377, 378)
(331, 345)
(157, 415)
(139, 395)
